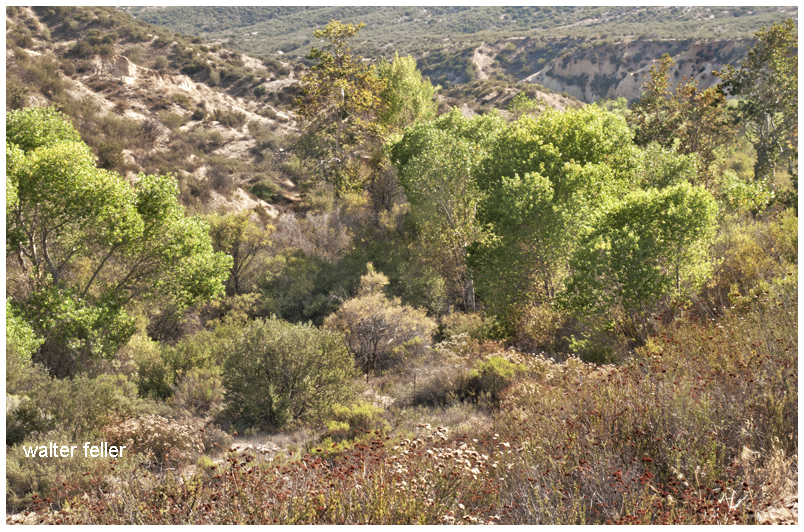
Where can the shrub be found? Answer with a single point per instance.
(161, 62)
(278, 373)
(134, 52)
(208, 139)
(73, 476)
(380, 331)
(110, 155)
(80, 406)
(16, 92)
(260, 91)
(198, 114)
(214, 78)
(172, 120)
(220, 179)
(160, 439)
(489, 378)
(348, 422)
(161, 367)
(266, 190)
(151, 130)
(199, 393)
(181, 99)
(233, 119)
(456, 323)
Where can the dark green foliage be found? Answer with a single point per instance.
(489, 378)
(278, 373)
(266, 189)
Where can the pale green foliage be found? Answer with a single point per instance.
(660, 167)
(489, 378)
(88, 242)
(380, 331)
(436, 162)
(543, 180)
(278, 373)
(521, 104)
(21, 341)
(740, 195)
(650, 245)
(347, 422)
(80, 406)
(407, 96)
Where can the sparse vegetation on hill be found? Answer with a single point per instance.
(339, 293)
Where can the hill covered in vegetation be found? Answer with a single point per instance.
(615, 45)
(334, 292)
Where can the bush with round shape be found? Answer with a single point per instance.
(279, 373)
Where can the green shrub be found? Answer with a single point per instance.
(198, 114)
(80, 406)
(260, 91)
(161, 367)
(199, 393)
(134, 52)
(490, 378)
(233, 119)
(172, 120)
(181, 99)
(278, 373)
(348, 422)
(265, 189)
(110, 155)
(161, 62)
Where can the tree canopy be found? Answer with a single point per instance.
(767, 85)
(339, 102)
(89, 242)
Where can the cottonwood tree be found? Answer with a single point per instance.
(684, 118)
(767, 85)
(88, 243)
(650, 245)
(435, 163)
(407, 96)
(542, 180)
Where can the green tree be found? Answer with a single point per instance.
(407, 96)
(436, 162)
(21, 341)
(542, 180)
(278, 373)
(244, 240)
(767, 85)
(647, 246)
(87, 242)
(339, 102)
(684, 118)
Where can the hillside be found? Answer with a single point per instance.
(554, 47)
(149, 100)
